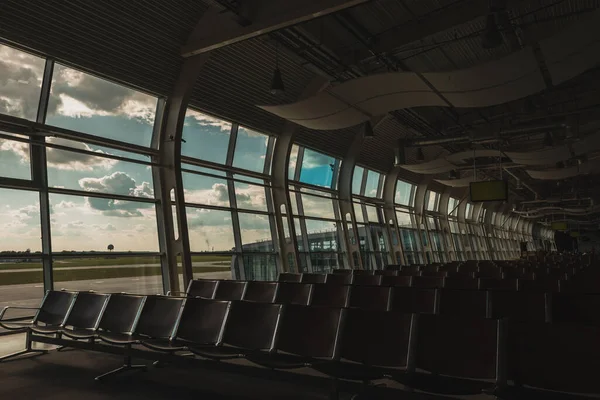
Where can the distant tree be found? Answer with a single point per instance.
(110, 247)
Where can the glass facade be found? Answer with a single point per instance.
(81, 204)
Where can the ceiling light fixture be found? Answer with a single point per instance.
(277, 87)
(454, 174)
(548, 140)
(491, 36)
(368, 130)
(420, 154)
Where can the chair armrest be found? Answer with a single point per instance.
(175, 292)
(5, 309)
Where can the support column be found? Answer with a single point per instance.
(40, 177)
(389, 213)
(420, 194)
(167, 140)
(288, 247)
(351, 234)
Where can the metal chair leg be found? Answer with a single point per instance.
(125, 367)
(22, 352)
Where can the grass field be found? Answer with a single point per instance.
(116, 267)
(112, 262)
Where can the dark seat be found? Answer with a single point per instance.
(413, 300)
(454, 282)
(429, 269)
(200, 325)
(343, 271)
(372, 280)
(427, 282)
(314, 278)
(434, 274)
(386, 272)
(497, 284)
(250, 329)
(339, 279)
(540, 285)
(363, 358)
(464, 303)
(330, 295)
(576, 308)
(120, 316)
(464, 348)
(202, 288)
(230, 290)
(51, 314)
(371, 297)
(307, 335)
(289, 277)
(357, 272)
(263, 292)
(85, 315)
(512, 272)
(293, 293)
(560, 357)
(403, 281)
(410, 269)
(519, 306)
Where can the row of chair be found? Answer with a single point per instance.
(420, 351)
(453, 282)
(523, 305)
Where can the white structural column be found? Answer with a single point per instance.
(351, 234)
(174, 242)
(288, 247)
(389, 213)
(420, 193)
(444, 223)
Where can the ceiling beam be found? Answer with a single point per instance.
(217, 29)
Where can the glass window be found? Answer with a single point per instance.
(358, 212)
(202, 189)
(357, 179)
(250, 197)
(372, 185)
(70, 170)
(20, 82)
(372, 214)
(404, 193)
(87, 224)
(293, 161)
(256, 232)
(432, 199)
(404, 220)
(319, 207)
(205, 138)
(469, 211)
(322, 235)
(250, 150)
(14, 157)
(84, 103)
(19, 222)
(317, 169)
(210, 230)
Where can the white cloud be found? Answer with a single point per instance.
(206, 120)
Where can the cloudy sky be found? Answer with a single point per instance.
(87, 104)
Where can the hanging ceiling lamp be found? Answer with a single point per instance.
(420, 154)
(491, 36)
(548, 140)
(277, 87)
(368, 130)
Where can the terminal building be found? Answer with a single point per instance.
(145, 145)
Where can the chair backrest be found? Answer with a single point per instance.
(518, 306)
(453, 282)
(339, 279)
(202, 288)
(202, 321)
(495, 273)
(386, 272)
(389, 348)
(403, 281)
(576, 308)
(540, 285)
(330, 295)
(55, 307)
(252, 326)
(460, 347)
(469, 268)
(293, 293)
(497, 284)
(372, 280)
(427, 282)
(342, 271)
(87, 310)
(362, 271)
(371, 297)
(512, 272)
(159, 317)
(434, 274)
(289, 277)
(230, 290)
(466, 303)
(314, 278)
(429, 269)
(413, 300)
(310, 331)
(121, 313)
(263, 292)
(560, 357)
(411, 269)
